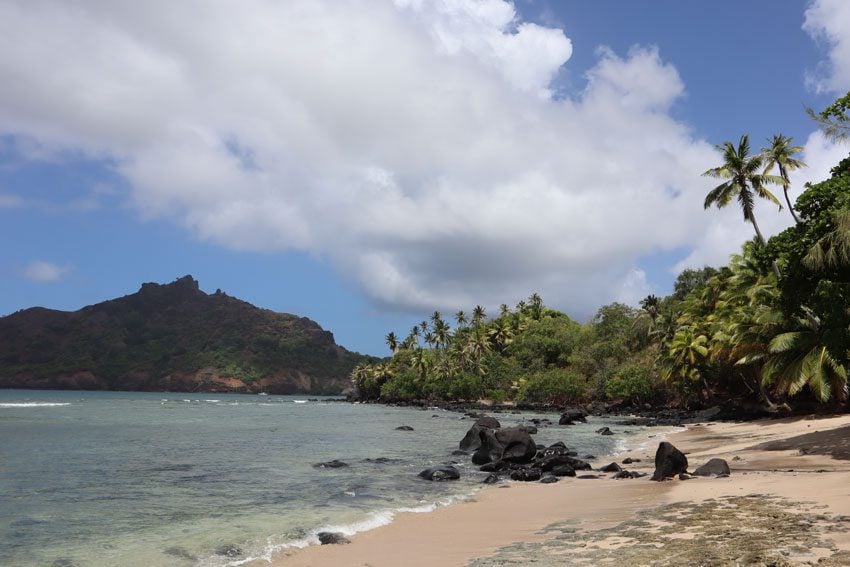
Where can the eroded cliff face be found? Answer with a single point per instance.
(172, 337)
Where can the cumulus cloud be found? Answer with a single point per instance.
(828, 21)
(414, 144)
(45, 272)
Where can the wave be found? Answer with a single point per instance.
(374, 519)
(32, 404)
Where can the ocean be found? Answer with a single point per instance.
(171, 479)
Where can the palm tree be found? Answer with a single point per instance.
(536, 304)
(744, 182)
(781, 153)
(799, 358)
(392, 341)
(478, 314)
(460, 318)
(833, 249)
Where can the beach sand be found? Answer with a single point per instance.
(787, 502)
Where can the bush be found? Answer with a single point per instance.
(406, 385)
(557, 386)
(633, 383)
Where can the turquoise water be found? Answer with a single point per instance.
(148, 479)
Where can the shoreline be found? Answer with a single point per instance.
(592, 519)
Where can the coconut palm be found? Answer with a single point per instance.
(392, 342)
(460, 318)
(799, 358)
(832, 251)
(536, 304)
(744, 181)
(781, 153)
(478, 314)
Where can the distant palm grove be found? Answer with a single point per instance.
(773, 326)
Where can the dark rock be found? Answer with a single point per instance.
(588, 476)
(63, 562)
(509, 444)
(472, 440)
(613, 467)
(530, 429)
(335, 464)
(558, 444)
(228, 550)
(404, 428)
(458, 452)
(570, 416)
(589, 457)
(440, 473)
(714, 467)
(629, 460)
(549, 479)
(685, 476)
(669, 461)
(622, 474)
(564, 470)
(490, 422)
(492, 478)
(526, 475)
(331, 538)
(604, 431)
(636, 474)
(548, 463)
(724, 476)
(494, 466)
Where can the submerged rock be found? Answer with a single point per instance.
(549, 479)
(331, 538)
(404, 428)
(492, 478)
(180, 552)
(570, 416)
(229, 550)
(440, 473)
(605, 431)
(335, 464)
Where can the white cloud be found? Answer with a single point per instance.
(413, 144)
(43, 272)
(828, 21)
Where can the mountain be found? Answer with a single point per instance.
(172, 337)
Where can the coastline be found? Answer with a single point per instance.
(779, 507)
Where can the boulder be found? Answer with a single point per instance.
(548, 463)
(494, 466)
(490, 422)
(613, 467)
(492, 478)
(564, 470)
(570, 416)
(669, 462)
(604, 431)
(526, 475)
(440, 473)
(330, 538)
(629, 460)
(588, 476)
(511, 444)
(472, 440)
(714, 467)
(335, 464)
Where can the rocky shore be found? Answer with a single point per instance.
(728, 494)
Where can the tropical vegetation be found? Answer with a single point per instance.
(772, 326)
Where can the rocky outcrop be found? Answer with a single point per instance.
(512, 444)
(440, 473)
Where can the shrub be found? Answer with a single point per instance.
(556, 385)
(633, 383)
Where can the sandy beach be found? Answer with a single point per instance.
(787, 502)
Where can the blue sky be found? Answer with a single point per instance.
(366, 163)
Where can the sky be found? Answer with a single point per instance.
(366, 162)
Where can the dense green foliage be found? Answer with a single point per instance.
(771, 326)
(164, 329)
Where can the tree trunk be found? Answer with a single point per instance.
(785, 190)
(762, 242)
